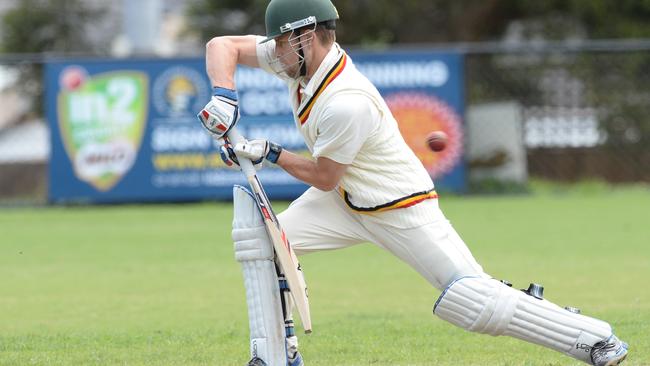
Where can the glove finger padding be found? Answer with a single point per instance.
(253, 149)
(230, 158)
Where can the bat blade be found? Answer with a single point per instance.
(292, 273)
(284, 254)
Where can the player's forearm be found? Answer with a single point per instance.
(223, 54)
(308, 171)
(221, 62)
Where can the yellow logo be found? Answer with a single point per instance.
(179, 92)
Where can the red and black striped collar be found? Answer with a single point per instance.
(332, 74)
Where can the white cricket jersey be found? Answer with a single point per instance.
(342, 116)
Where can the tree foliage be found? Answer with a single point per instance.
(212, 18)
(43, 26)
(420, 21)
(46, 26)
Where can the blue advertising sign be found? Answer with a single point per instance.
(126, 131)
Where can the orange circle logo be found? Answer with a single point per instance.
(418, 114)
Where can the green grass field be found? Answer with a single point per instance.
(158, 284)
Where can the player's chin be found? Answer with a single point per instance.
(292, 72)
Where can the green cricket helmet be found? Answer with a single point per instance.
(283, 16)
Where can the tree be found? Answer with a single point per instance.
(212, 18)
(44, 26)
(421, 21)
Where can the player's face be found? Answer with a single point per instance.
(291, 51)
(287, 56)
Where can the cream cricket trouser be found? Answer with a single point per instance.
(320, 220)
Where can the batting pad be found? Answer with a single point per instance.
(254, 251)
(489, 306)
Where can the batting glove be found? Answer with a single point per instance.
(258, 149)
(230, 159)
(221, 114)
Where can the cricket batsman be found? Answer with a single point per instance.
(366, 186)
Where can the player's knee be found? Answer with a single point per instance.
(248, 232)
(467, 302)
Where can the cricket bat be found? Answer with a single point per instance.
(283, 252)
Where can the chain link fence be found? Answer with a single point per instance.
(575, 112)
(584, 109)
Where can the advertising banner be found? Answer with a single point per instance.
(126, 130)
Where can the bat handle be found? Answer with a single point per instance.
(245, 164)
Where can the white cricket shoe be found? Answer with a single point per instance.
(609, 352)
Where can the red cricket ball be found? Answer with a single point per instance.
(73, 77)
(437, 140)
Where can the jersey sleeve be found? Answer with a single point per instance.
(265, 53)
(345, 124)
